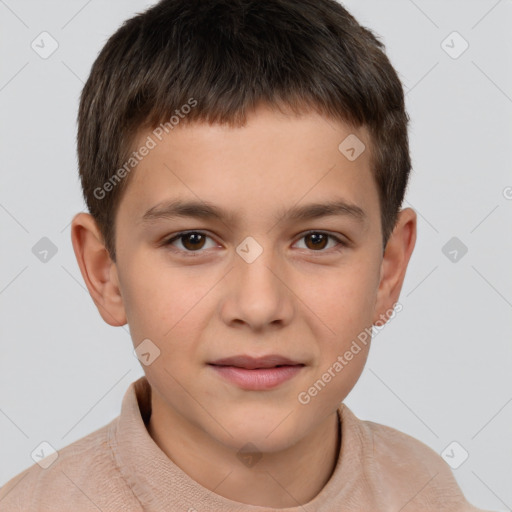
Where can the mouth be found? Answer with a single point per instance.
(257, 374)
(253, 363)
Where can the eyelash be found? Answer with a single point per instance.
(341, 244)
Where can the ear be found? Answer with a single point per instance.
(394, 264)
(98, 270)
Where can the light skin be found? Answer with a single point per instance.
(198, 300)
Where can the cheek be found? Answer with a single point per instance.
(344, 310)
(166, 306)
(150, 296)
(343, 300)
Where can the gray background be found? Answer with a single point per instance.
(439, 371)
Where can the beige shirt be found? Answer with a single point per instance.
(120, 468)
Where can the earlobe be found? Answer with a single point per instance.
(394, 263)
(97, 269)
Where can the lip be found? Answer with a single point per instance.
(258, 379)
(257, 374)
(251, 363)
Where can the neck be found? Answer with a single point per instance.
(282, 479)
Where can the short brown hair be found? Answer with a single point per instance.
(230, 56)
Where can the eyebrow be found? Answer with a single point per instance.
(179, 208)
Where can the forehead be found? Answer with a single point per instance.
(274, 162)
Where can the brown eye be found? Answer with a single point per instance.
(317, 240)
(193, 241)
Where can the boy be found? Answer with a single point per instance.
(244, 164)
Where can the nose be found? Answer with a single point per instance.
(258, 294)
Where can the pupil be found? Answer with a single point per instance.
(193, 240)
(318, 239)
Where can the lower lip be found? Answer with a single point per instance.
(259, 378)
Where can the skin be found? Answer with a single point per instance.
(295, 299)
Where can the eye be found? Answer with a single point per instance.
(318, 240)
(191, 241)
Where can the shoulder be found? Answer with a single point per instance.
(84, 474)
(393, 446)
(407, 471)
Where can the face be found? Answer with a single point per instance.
(255, 280)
